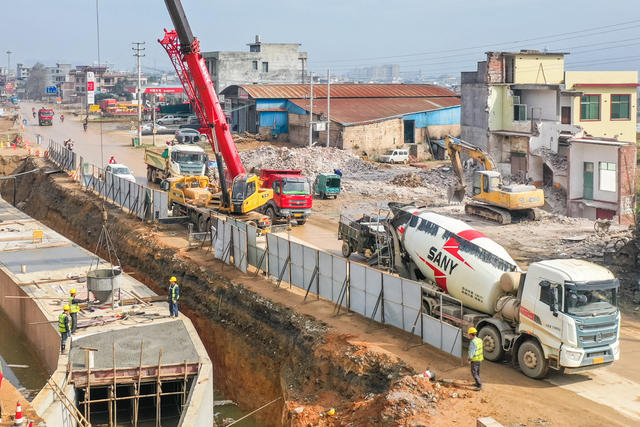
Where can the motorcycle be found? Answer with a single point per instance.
(62, 118)
(84, 125)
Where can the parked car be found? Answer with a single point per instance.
(147, 129)
(396, 155)
(121, 171)
(170, 120)
(193, 120)
(188, 136)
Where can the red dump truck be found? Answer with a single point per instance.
(45, 117)
(292, 197)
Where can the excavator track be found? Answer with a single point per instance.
(493, 213)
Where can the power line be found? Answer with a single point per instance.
(581, 33)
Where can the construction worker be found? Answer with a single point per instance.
(74, 308)
(476, 356)
(174, 296)
(63, 327)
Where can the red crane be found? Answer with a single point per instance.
(184, 50)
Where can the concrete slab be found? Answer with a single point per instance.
(127, 341)
(47, 259)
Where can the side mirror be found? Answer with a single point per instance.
(164, 185)
(544, 284)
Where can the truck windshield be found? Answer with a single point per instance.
(588, 299)
(189, 157)
(295, 187)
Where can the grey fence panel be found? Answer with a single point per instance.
(252, 246)
(283, 255)
(357, 279)
(373, 287)
(310, 262)
(229, 243)
(432, 331)
(325, 274)
(239, 248)
(451, 339)
(393, 313)
(274, 262)
(217, 240)
(411, 301)
(297, 266)
(338, 280)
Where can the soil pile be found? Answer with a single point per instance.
(407, 180)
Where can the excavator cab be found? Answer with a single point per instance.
(486, 182)
(247, 194)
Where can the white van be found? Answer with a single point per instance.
(396, 155)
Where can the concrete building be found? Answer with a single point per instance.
(263, 63)
(58, 75)
(74, 90)
(364, 118)
(22, 72)
(526, 111)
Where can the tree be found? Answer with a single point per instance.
(36, 82)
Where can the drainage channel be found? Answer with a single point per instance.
(28, 373)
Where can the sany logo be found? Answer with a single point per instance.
(441, 263)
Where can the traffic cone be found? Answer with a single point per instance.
(18, 419)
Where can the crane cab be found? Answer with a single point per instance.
(247, 194)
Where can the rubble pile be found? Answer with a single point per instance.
(408, 179)
(556, 198)
(555, 161)
(312, 161)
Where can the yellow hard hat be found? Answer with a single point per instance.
(65, 308)
(472, 331)
(331, 411)
(73, 291)
(173, 279)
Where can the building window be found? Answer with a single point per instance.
(520, 112)
(590, 107)
(265, 67)
(255, 65)
(620, 107)
(607, 176)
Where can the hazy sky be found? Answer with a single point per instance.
(435, 36)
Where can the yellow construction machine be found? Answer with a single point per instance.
(491, 199)
(194, 196)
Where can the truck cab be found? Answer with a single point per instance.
(292, 197)
(45, 117)
(569, 311)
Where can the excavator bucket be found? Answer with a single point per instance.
(456, 193)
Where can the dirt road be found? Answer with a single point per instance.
(113, 140)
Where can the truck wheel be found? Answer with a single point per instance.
(301, 221)
(346, 249)
(491, 343)
(271, 213)
(531, 360)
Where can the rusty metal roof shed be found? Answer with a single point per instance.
(300, 91)
(353, 111)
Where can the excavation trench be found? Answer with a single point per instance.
(260, 350)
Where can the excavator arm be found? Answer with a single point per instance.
(455, 148)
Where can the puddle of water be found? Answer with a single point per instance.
(232, 411)
(15, 351)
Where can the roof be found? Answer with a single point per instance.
(352, 111)
(529, 52)
(300, 91)
(599, 140)
(579, 270)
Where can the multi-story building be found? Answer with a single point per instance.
(553, 127)
(264, 63)
(22, 72)
(74, 90)
(58, 74)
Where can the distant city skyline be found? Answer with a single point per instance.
(429, 39)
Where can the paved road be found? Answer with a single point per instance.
(88, 144)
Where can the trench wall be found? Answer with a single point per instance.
(260, 350)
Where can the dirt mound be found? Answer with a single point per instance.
(407, 180)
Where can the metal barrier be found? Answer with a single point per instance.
(144, 202)
(382, 297)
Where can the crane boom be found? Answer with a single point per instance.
(184, 51)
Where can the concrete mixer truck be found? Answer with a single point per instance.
(560, 314)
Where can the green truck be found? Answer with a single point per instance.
(326, 185)
(174, 160)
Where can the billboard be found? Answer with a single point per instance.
(91, 87)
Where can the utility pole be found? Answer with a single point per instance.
(138, 49)
(8, 62)
(328, 107)
(311, 110)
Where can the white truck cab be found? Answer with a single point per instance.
(570, 308)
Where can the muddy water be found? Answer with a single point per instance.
(15, 351)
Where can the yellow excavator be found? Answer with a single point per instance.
(491, 199)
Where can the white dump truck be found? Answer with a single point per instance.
(174, 160)
(560, 314)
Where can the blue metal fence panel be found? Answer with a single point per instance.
(278, 121)
(444, 116)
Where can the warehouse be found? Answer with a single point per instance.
(363, 118)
